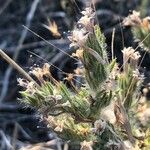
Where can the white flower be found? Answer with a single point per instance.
(84, 28)
(88, 12)
(22, 82)
(87, 22)
(86, 145)
(133, 19)
(78, 37)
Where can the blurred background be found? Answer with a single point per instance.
(33, 32)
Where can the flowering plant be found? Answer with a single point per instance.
(105, 112)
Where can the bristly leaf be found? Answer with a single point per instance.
(96, 72)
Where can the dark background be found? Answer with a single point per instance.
(21, 124)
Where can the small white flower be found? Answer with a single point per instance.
(86, 24)
(133, 19)
(22, 82)
(86, 145)
(88, 12)
(78, 37)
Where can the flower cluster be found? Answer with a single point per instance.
(29, 86)
(130, 56)
(135, 20)
(83, 29)
(98, 114)
(140, 28)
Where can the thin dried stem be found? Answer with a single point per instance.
(49, 42)
(16, 66)
(112, 43)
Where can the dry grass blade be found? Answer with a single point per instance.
(16, 66)
(49, 43)
(76, 5)
(112, 43)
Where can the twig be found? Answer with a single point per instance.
(16, 54)
(122, 34)
(5, 141)
(5, 6)
(21, 130)
(16, 66)
(15, 135)
(46, 41)
(112, 43)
